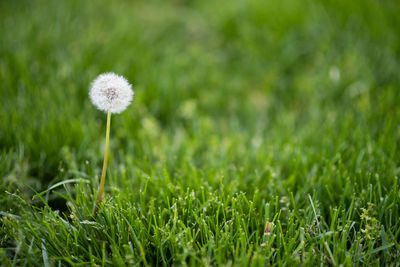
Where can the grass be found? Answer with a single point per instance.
(262, 132)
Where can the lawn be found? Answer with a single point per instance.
(261, 133)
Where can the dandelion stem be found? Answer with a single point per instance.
(103, 173)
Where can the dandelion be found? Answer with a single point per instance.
(110, 93)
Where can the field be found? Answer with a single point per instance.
(261, 133)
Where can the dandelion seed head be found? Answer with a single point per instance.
(110, 92)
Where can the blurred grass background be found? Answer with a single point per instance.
(276, 70)
(269, 96)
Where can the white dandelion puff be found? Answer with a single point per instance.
(113, 94)
(110, 92)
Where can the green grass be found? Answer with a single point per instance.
(247, 115)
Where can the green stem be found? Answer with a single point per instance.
(103, 173)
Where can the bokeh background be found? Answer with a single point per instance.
(208, 75)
